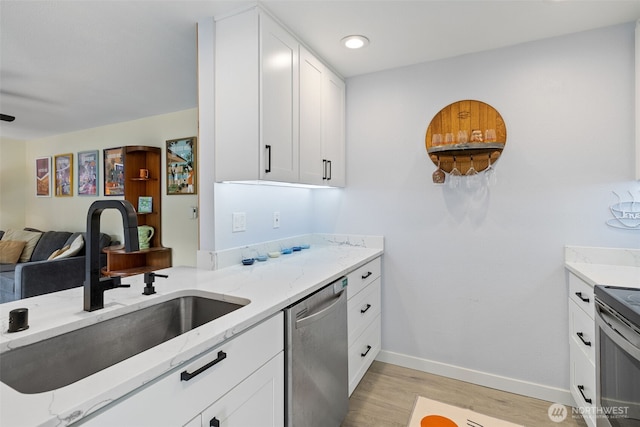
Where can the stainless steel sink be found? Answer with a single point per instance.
(64, 359)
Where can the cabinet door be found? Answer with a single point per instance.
(312, 75)
(256, 401)
(278, 102)
(333, 135)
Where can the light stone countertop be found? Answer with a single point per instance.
(604, 266)
(270, 286)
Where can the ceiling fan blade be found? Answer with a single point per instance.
(6, 118)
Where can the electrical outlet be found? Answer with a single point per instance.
(276, 220)
(239, 222)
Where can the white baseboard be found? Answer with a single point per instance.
(511, 385)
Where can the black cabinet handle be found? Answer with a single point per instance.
(268, 168)
(364, 276)
(579, 295)
(581, 390)
(324, 168)
(364, 310)
(365, 353)
(186, 376)
(329, 176)
(581, 336)
(214, 422)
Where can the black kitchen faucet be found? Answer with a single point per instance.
(94, 285)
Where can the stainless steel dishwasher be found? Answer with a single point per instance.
(316, 358)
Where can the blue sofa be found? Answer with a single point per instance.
(41, 276)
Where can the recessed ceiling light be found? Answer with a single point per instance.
(355, 41)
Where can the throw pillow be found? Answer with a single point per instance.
(31, 237)
(73, 249)
(10, 251)
(58, 252)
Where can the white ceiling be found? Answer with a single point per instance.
(72, 65)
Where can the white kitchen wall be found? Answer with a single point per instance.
(259, 202)
(474, 284)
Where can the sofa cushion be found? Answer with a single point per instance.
(7, 267)
(31, 237)
(105, 240)
(69, 250)
(10, 251)
(48, 243)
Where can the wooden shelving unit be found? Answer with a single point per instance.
(467, 116)
(119, 262)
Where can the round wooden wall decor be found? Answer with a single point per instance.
(465, 132)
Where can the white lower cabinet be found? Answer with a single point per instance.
(218, 387)
(256, 401)
(363, 319)
(582, 330)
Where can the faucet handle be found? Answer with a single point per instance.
(117, 282)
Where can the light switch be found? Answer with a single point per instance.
(239, 222)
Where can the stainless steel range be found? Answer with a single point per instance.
(617, 356)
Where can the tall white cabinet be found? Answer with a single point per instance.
(279, 111)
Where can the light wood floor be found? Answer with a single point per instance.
(386, 394)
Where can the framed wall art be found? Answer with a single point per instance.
(43, 177)
(88, 173)
(63, 164)
(181, 166)
(114, 171)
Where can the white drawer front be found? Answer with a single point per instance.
(582, 330)
(363, 276)
(583, 382)
(362, 353)
(362, 309)
(172, 401)
(581, 293)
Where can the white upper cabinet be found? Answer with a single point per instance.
(333, 133)
(637, 121)
(312, 75)
(278, 102)
(278, 109)
(322, 144)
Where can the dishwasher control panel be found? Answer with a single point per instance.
(340, 285)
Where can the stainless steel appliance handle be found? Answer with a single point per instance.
(617, 331)
(304, 321)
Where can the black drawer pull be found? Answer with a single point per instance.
(186, 376)
(214, 422)
(579, 295)
(364, 276)
(364, 310)
(581, 390)
(581, 336)
(365, 353)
